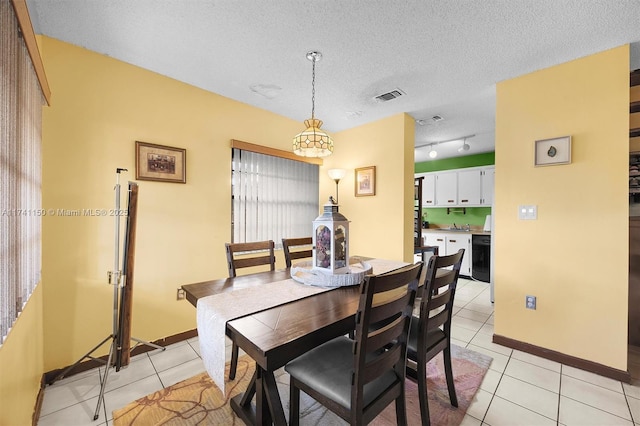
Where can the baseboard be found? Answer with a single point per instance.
(38, 406)
(50, 376)
(582, 364)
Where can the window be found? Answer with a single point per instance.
(21, 99)
(273, 197)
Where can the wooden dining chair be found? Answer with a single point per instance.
(430, 333)
(249, 254)
(357, 379)
(292, 251)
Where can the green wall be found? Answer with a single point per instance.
(485, 159)
(474, 216)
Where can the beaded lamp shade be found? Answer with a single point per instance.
(313, 142)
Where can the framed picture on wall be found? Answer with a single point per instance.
(365, 181)
(161, 163)
(549, 152)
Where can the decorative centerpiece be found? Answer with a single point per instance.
(331, 241)
(330, 265)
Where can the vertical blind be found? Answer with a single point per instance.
(273, 197)
(20, 172)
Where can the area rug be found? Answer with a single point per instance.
(198, 401)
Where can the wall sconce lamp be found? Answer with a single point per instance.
(336, 175)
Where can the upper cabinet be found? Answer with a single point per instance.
(446, 189)
(428, 190)
(470, 187)
(487, 181)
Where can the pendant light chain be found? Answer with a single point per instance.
(313, 88)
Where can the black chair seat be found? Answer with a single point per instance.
(433, 338)
(328, 369)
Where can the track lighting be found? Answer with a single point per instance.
(465, 146)
(432, 152)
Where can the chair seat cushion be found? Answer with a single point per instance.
(433, 338)
(328, 369)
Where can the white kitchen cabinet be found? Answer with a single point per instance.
(449, 243)
(435, 239)
(488, 180)
(454, 243)
(469, 187)
(429, 190)
(447, 189)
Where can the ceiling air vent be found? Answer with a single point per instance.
(389, 96)
(437, 118)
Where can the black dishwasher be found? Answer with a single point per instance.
(481, 257)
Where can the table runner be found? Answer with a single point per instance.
(213, 312)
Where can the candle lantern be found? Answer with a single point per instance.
(331, 241)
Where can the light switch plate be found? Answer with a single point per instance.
(528, 212)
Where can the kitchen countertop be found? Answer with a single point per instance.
(473, 231)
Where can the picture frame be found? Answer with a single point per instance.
(365, 181)
(554, 151)
(160, 163)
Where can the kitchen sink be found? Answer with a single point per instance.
(452, 230)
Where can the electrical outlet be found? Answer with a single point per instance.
(180, 294)
(530, 302)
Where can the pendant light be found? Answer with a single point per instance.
(313, 142)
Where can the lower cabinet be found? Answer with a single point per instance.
(450, 243)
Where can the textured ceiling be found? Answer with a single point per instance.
(445, 56)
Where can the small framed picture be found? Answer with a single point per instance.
(365, 181)
(160, 163)
(550, 152)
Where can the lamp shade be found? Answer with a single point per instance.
(313, 142)
(336, 174)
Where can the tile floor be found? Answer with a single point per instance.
(519, 389)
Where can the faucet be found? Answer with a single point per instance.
(454, 226)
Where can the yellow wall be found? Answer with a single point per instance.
(100, 107)
(381, 226)
(21, 364)
(574, 258)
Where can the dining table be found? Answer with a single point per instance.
(277, 334)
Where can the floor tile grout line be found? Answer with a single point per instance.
(595, 384)
(559, 396)
(626, 398)
(512, 402)
(524, 381)
(493, 395)
(599, 409)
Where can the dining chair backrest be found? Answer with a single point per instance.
(357, 379)
(438, 291)
(292, 249)
(250, 254)
(382, 327)
(430, 333)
